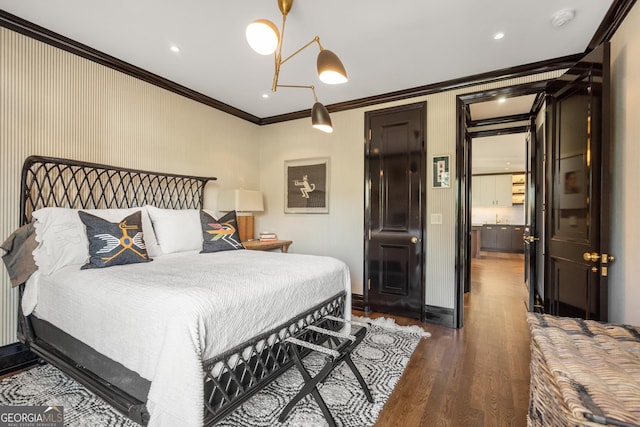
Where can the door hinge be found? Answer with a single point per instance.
(369, 234)
(368, 284)
(369, 134)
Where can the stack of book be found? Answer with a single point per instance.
(267, 236)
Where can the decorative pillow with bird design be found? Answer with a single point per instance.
(220, 234)
(114, 243)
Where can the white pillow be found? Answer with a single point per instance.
(63, 240)
(61, 237)
(177, 230)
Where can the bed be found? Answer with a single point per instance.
(182, 340)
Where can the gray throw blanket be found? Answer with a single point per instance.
(19, 257)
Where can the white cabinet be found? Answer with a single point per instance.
(491, 190)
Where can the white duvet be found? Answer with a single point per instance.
(163, 318)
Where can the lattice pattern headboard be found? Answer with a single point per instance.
(52, 182)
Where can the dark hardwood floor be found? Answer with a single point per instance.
(477, 375)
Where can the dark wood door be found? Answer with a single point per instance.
(529, 237)
(577, 218)
(464, 207)
(395, 197)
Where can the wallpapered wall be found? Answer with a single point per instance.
(624, 281)
(57, 104)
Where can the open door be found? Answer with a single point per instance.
(530, 236)
(577, 214)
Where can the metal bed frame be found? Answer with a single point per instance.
(230, 378)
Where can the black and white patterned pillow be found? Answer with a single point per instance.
(220, 234)
(116, 243)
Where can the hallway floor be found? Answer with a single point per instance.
(477, 375)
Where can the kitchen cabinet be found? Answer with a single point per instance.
(495, 238)
(491, 190)
(488, 240)
(517, 232)
(501, 238)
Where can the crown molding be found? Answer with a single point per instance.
(614, 17)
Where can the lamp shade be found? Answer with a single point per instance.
(330, 68)
(320, 118)
(263, 35)
(240, 200)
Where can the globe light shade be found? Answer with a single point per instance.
(320, 118)
(262, 36)
(330, 68)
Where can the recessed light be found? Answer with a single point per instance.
(502, 99)
(265, 95)
(175, 48)
(498, 36)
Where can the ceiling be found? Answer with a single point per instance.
(385, 46)
(498, 154)
(502, 107)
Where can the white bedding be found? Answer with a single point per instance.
(163, 318)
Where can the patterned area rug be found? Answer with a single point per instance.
(381, 358)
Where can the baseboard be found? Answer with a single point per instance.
(357, 302)
(439, 316)
(16, 356)
(432, 314)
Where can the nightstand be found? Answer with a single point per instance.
(257, 245)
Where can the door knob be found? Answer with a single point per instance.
(591, 257)
(530, 239)
(414, 239)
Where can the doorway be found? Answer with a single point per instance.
(497, 134)
(574, 238)
(498, 168)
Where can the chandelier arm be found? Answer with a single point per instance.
(316, 39)
(278, 54)
(278, 57)
(313, 89)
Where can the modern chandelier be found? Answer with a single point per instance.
(264, 37)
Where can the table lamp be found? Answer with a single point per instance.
(244, 202)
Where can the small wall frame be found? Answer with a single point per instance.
(441, 171)
(306, 185)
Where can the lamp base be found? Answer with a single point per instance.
(245, 227)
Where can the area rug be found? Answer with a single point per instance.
(381, 358)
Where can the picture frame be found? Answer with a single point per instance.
(441, 171)
(306, 186)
